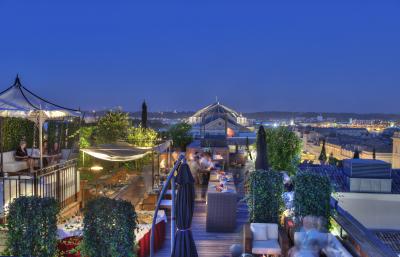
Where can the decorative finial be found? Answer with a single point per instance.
(17, 82)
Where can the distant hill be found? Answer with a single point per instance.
(274, 115)
(164, 115)
(338, 116)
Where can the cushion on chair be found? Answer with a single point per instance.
(166, 203)
(259, 231)
(9, 156)
(65, 154)
(15, 166)
(273, 231)
(266, 247)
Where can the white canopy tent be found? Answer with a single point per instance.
(123, 152)
(17, 101)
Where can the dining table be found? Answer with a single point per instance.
(221, 200)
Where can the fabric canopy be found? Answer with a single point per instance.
(122, 152)
(18, 101)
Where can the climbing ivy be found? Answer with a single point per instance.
(264, 198)
(312, 195)
(15, 129)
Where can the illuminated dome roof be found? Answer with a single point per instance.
(215, 111)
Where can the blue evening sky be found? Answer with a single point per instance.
(341, 56)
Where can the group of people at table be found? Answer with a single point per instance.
(201, 162)
(50, 156)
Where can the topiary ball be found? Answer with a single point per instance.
(236, 250)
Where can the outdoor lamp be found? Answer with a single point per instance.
(96, 168)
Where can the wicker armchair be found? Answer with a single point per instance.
(283, 241)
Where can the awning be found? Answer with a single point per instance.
(18, 101)
(123, 152)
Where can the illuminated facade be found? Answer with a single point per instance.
(217, 119)
(396, 151)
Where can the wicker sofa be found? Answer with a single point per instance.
(314, 243)
(271, 244)
(10, 165)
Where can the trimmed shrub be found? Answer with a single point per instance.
(109, 227)
(312, 195)
(265, 196)
(180, 135)
(112, 127)
(32, 227)
(284, 149)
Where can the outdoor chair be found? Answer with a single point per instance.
(314, 243)
(265, 239)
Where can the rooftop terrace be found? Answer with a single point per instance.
(212, 244)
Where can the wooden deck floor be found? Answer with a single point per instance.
(211, 244)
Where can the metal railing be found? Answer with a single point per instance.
(59, 181)
(170, 181)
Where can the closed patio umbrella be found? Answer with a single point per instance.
(184, 244)
(262, 154)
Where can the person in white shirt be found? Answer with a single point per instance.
(194, 168)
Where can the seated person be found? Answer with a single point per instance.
(21, 154)
(55, 154)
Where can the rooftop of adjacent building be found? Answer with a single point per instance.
(381, 144)
(338, 177)
(370, 217)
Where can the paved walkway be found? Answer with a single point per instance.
(136, 190)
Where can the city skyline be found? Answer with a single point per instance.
(309, 57)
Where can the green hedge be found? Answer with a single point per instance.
(109, 227)
(14, 129)
(265, 196)
(312, 195)
(32, 227)
(56, 132)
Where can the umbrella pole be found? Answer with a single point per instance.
(152, 168)
(169, 157)
(41, 141)
(173, 225)
(158, 166)
(1, 146)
